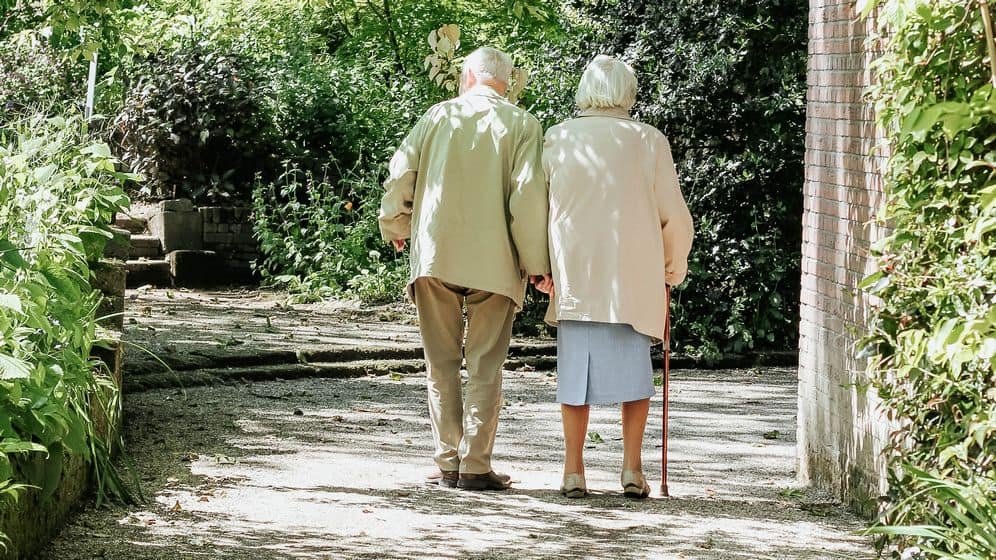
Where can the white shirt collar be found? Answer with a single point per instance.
(485, 90)
(617, 112)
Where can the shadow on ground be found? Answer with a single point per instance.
(333, 468)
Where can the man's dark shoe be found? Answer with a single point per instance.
(486, 481)
(443, 478)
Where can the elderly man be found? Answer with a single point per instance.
(467, 187)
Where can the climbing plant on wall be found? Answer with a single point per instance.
(932, 338)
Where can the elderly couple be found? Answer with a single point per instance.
(593, 216)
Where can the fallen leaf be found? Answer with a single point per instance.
(176, 507)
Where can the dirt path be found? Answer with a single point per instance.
(332, 469)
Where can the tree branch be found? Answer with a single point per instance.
(987, 23)
(391, 35)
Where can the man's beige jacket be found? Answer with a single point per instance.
(467, 187)
(619, 226)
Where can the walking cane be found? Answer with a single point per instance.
(667, 387)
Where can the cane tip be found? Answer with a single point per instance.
(664, 491)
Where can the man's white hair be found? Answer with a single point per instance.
(487, 63)
(607, 83)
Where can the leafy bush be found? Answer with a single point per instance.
(192, 122)
(316, 241)
(726, 82)
(58, 191)
(932, 338)
(302, 97)
(33, 78)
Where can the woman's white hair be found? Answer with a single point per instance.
(487, 63)
(606, 83)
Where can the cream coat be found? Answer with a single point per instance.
(619, 226)
(467, 187)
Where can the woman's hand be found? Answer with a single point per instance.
(543, 283)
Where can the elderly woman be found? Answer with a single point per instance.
(620, 233)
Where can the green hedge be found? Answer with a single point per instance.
(932, 338)
(726, 81)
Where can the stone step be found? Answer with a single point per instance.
(145, 246)
(131, 223)
(195, 269)
(119, 245)
(143, 272)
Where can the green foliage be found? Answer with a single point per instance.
(192, 122)
(932, 338)
(79, 28)
(725, 81)
(32, 77)
(58, 191)
(206, 95)
(316, 241)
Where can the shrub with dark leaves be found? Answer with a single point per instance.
(193, 125)
(726, 82)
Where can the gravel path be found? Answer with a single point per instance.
(332, 469)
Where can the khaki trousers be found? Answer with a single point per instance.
(463, 424)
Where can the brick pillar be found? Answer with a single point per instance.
(840, 433)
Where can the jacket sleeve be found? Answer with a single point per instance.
(396, 207)
(528, 203)
(676, 220)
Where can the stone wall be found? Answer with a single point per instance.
(194, 247)
(840, 433)
(228, 232)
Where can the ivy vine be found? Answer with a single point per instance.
(932, 336)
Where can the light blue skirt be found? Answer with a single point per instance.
(602, 363)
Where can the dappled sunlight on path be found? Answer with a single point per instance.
(333, 469)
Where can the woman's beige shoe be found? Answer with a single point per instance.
(574, 486)
(635, 485)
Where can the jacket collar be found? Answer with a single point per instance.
(484, 90)
(616, 112)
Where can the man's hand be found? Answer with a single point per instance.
(399, 245)
(543, 283)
